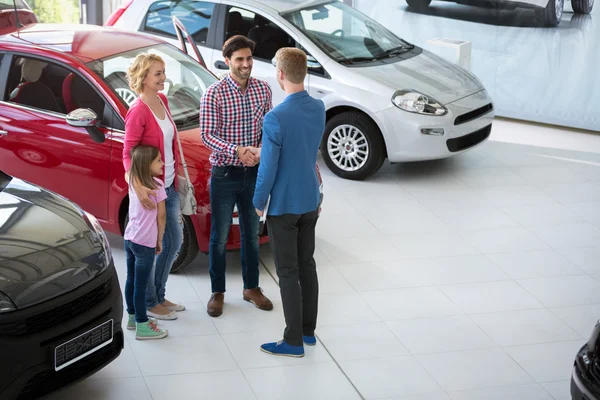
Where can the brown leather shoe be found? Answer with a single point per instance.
(256, 297)
(215, 304)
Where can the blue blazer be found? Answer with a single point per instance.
(292, 132)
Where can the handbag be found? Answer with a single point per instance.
(184, 186)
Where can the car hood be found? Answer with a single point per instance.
(48, 246)
(426, 73)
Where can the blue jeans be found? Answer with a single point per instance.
(140, 260)
(172, 240)
(230, 186)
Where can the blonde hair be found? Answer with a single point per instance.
(138, 70)
(292, 62)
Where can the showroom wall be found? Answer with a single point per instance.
(542, 74)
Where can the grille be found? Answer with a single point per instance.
(471, 115)
(50, 380)
(470, 140)
(57, 315)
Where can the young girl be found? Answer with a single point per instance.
(143, 238)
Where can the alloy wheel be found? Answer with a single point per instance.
(348, 147)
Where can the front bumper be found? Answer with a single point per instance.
(466, 125)
(29, 337)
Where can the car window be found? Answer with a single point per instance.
(48, 86)
(186, 81)
(195, 16)
(268, 36)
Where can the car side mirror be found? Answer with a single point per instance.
(88, 119)
(312, 62)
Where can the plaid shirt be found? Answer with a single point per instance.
(229, 118)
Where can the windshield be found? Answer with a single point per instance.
(345, 34)
(185, 84)
(10, 5)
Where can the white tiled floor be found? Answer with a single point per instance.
(473, 278)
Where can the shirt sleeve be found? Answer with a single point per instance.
(162, 193)
(269, 160)
(210, 124)
(134, 131)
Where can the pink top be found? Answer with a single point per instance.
(142, 227)
(141, 127)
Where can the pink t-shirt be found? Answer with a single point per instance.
(142, 227)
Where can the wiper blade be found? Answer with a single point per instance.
(352, 60)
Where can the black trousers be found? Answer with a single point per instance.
(292, 239)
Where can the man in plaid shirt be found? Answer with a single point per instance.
(231, 116)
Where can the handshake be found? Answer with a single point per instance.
(249, 155)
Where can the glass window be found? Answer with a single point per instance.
(194, 15)
(50, 87)
(185, 84)
(345, 34)
(268, 37)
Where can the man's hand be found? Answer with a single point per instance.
(143, 194)
(255, 151)
(246, 156)
(259, 212)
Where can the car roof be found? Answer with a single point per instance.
(85, 42)
(283, 6)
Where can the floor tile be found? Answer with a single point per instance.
(345, 308)
(224, 385)
(376, 248)
(471, 369)
(504, 240)
(572, 192)
(489, 297)
(581, 318)
(476, 218)
(437, 335)
(448, 198)
(569, 235)
(544, 215)
(327, 382)
(125, 366)
(546, 362)
(541, 175)
(344, 226)
(560, 390)
(524, 392)
(405, 220)
(360, 341)
(181, 355)
(524, 327)
(332, 281)
(586, 258)
(180, 290)
(535, 264)
(410, 303)
(242, 316)
(193, 321)
(245, 348)
(489, 177)
(589, 211)
(433, 244)
(387, 377)
(101, 389)
(515, 195)
(563, 291)
(380, 275)
(439, 395)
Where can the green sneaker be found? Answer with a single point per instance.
(131, 322)
(148, 331)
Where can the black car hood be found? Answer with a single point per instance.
(48, 246)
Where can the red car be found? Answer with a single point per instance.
(64, 100)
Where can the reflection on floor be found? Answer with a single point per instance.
(533, 73)
(475, 277)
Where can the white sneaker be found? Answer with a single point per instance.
(178, 307)
(166, 317)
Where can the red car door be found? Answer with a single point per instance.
(37, 143)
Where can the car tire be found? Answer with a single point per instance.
(358, 132)
(550, 15)
(582, 6)
(418, 4)
(189, 247)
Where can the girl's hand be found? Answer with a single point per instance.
(158, 247)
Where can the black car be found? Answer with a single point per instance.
(60, 301)
(585, 379)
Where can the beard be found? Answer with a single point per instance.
(241, 75)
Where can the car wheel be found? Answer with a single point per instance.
(551, 14)
(352, 146)
(582, 6)
(418, 4)
(189, 247)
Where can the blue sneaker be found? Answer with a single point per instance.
(281, 348)
(309, 340)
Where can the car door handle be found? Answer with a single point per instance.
(221, 65)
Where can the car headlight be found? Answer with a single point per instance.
(418, 103)
(103, 239)
(6, 304)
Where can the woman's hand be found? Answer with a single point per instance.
(143, 194)
(159, 247)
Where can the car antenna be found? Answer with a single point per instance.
(17, 14)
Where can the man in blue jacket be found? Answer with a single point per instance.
(289, 185)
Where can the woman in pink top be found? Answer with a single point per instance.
(149, 122)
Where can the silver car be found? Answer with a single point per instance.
(385, 98)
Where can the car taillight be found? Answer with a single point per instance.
(114, 17)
